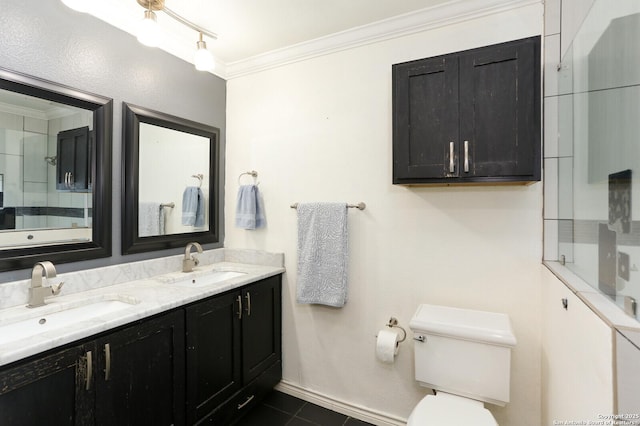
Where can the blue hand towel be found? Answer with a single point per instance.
(322, 253)
(193, 207)
(249, 208)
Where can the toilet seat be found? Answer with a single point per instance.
(450, 410)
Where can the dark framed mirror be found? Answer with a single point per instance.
(171, 188)
(56, 205)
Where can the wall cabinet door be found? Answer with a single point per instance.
(51, 390)
(140, 374)
(471, 116)
(73, 171)
(425, 113)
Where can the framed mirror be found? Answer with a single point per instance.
(56, 187)
(171, 188)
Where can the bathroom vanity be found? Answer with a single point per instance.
(201, 353)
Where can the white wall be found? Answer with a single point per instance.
(320, 130)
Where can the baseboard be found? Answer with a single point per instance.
(357, 412)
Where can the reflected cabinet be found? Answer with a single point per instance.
(468, 117)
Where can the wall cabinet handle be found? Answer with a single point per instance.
(248, 400)
(89, 359)
(452, 167)
(239, 299)
(248, 297)
(107, 361)
(466, 156)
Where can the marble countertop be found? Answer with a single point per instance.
(141, 298)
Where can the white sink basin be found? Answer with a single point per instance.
(202, 280)
(53, 317)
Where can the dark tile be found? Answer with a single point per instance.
(297, 421)
(263, 415)
(283, 402)
(321, 415)
(355, 422)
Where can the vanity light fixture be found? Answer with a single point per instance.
(203, 59)
(149, 32)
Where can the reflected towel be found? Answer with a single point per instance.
(149, 219)
(249, 208)
(193, 207)
(322, 253)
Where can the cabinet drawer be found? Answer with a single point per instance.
(247, 398)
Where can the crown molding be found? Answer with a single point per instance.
(454, 12)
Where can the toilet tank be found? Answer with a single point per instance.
(463, 352)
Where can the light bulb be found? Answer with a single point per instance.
(79, 5)
(203, 59)
(148, 30)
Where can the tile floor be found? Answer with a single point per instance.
(279, 409)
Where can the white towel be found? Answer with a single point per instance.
(322, 253)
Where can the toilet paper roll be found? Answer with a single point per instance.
(387, 345)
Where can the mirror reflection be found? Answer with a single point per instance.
(173, 180)
(45, 150)
(171, 194)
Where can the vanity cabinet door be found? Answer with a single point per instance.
(50, 390)
(140, 377)
(261, 327)
(213, 354)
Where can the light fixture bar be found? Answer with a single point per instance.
(189, 23)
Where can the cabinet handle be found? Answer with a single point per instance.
(451, 165)
(89, 370)
(107, 361)
(239, 299)
(70, 179)
(466, 156)
(66, 179)
(248, 296)
(248, 400)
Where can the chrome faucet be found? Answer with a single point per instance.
(190, 260)
(37, 292)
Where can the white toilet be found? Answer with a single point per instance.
(465, 356)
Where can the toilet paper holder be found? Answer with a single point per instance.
(393, 323)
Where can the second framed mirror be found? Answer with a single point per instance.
(171, 185)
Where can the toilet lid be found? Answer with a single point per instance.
(449, 411)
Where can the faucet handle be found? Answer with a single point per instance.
(55, 289)
(196, 261)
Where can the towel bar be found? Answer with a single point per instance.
(359, 206)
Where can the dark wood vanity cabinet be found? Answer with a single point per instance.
(469, 117)
(73, 169)
(133, 376)
(205, 363)
(140, 376)
(49, 390)
(233, 351)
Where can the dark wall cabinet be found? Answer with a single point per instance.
(206, 363)
(73, 170)
(469, 117)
